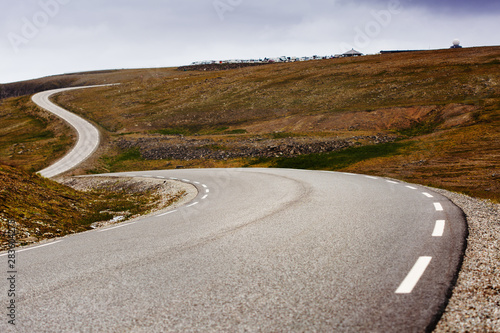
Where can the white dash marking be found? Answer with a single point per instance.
(161, 177)
(173, 178)
(32, 248)
(167, 213)
(186, 180)
(206, 196)
(205, 186)
(428, 195)
(411, 187)
(197, 183)
(207, 190)
(392, 182)
(193, 204)
(439, 228)
(414, 276)
(119, 226)
(438, 207)
(371, 177)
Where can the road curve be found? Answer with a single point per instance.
(258, 250)
(88, 135)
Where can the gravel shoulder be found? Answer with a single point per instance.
(475, 302)
(170, 194)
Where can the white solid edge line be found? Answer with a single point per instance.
(438, 206)
(32, 248)
(439, 228)
(414, 276)
(118, 226)
(171, 212)
(191, 205)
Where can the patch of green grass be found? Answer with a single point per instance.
(339, 160)
(131, 154)
(236, 131)
(184, 130)
(114, 163)
(422, 128)
(284, 135)
(173, 131)
(199, 130)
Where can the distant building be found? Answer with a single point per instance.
(352, 53)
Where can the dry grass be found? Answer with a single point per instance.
(29, 138)
(43, 209)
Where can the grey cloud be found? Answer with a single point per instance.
(450, 7)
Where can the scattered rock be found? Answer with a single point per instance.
(182, 148)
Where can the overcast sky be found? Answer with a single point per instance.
(47, 37)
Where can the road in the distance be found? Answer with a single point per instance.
(258, 250)
(88, 135)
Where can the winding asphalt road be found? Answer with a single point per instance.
(258, 250)
(88, 136)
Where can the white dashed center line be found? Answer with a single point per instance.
(439, 228)
(438, 207)
(411, 187)
(167, 213)
(414, 276)
(32, 248)
(119, 226)
(428, 195)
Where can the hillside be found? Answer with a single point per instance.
(42, 209)
(427, 117)
(440, 107)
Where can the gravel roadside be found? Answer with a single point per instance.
(170, 194)
(475, 303)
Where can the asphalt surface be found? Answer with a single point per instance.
(88, 136)
(258, 250)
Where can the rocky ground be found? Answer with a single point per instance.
(191, 148)
(170, 194)
(475, 304)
